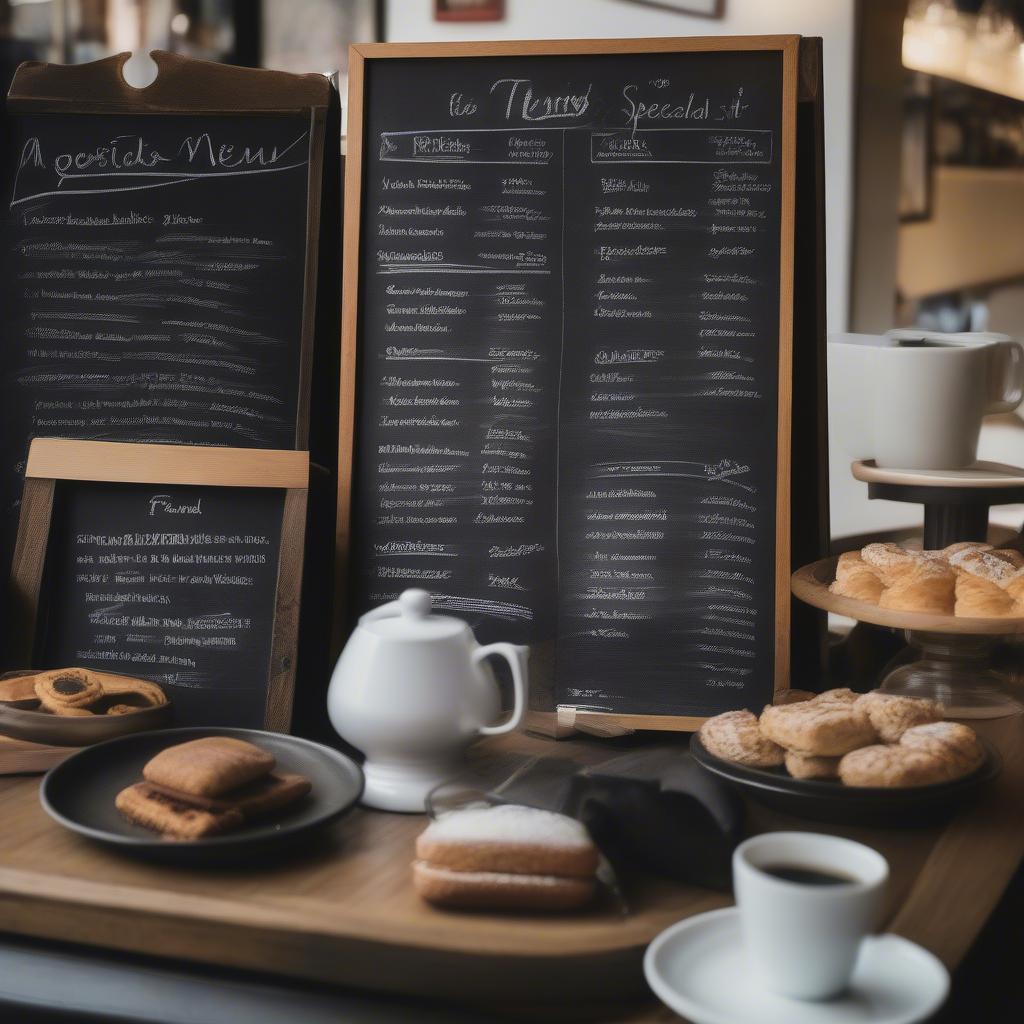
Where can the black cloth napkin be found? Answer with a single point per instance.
(653, 809)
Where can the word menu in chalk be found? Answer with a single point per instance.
(569, 359)
(154, 274)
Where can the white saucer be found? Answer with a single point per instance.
(699, 968)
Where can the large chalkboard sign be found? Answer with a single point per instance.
(169, 563)
(160, 260)
(567, 333)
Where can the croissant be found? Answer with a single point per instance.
(892, 562)
(856, 579)
(964, 545)
(979, 599)
(929, 586)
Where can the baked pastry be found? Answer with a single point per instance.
(838, 696)
(892, 715)
(929, 586)
(736, 736)
(1011, 555)
(892, 562)
(18, 688)
(890, 766)
(964, 545)
(172, 816)
(210, 766)
(809, 766)
(486, 890)
(955, 747)
(67, 688)
(982, 578)
(206, 787)
(506, 857)
(254, 800)
(509, 838)
(136, 692)
(856, 579)
(823, 729)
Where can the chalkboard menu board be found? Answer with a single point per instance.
(172, 584)
(159, 260)
(569, 347)
(168, 563)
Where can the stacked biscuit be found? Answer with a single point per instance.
(969, 579)
(871, 739)
(81, 693)
(207, 787)
(507, 857)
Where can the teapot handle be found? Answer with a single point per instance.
(516, 658)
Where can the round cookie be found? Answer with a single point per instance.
(892, 715)
(955, 747)
(737, 736)
(65, 688)
(824, 729)
(890, 766)
(807, 766)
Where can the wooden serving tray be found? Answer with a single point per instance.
(810, 584)
(344, 911)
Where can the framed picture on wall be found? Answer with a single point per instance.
(469, 10)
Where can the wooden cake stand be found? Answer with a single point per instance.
(956, 501)
(953, 663)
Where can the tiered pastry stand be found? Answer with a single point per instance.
(953, 656)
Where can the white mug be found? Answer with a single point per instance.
(802, 939)
(915, 399)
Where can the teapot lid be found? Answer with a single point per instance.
(411, 618)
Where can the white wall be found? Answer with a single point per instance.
(833, 20)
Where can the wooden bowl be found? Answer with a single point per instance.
(810, 584)
(22, 723)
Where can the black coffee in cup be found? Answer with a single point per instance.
(807, 876)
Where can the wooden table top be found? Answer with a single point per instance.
(344, 911)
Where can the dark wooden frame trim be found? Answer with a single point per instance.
(52, 460)
(789, 47)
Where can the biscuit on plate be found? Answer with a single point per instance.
(65, 688)
(737, 736)
(824, 729)
(210, 766)
(892, 715)
(956, 747)
(142, 805)
(808, 766)
(890, 766)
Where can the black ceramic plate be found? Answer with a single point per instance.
(823, 800)
(79, 794)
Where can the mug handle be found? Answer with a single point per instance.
(1006, 377)
(516, 658)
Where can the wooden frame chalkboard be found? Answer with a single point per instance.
(362, 59)
(54, 463)
(290, 306)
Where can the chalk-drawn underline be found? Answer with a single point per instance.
(180, 177)
(450, 268)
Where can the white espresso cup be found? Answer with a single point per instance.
(803, 939)
(915, 399)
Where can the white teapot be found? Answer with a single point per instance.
(412, 690)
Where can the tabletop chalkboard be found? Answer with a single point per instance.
(159, 266)
(567, 332)
(169, 564)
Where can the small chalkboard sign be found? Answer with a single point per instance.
(567, 368)
(175, 564)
